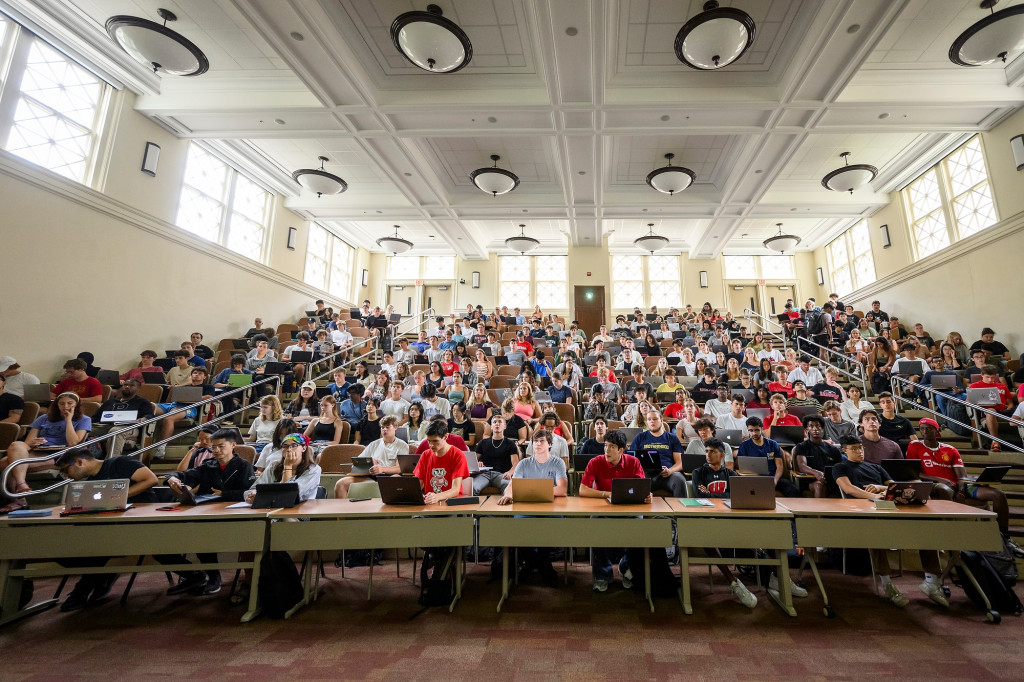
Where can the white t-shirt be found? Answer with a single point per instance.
(717, 409)
(386, 454)
(731, 423)
(263, 430)
(16, 384)
(341, 338)
(395, 408)
(774, 355)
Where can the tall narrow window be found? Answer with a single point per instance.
(341, 268)
(627, 281)
(246, 229)
(838, 256)
(315, 274)
(551, 282)
(663, 277)
(863, 258)
(928, 220)
(514, 281)
(740, 267)
(972, 197)
(439, 267)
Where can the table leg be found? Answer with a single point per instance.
(827, 608)
(458, 578)
(684, 580)
(785, 592)
(10, 596)
(647, 577)
(254, 593)
(504, 577)
(369, 583)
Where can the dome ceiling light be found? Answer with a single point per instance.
(494, 180)
(781, 242)
(156, 46)
(670, 179)
(431, 42)
(320, 181)
(715, 38)
(849, 178)
(395, 244)
(521, 242)
(990, 39)
(650, 241)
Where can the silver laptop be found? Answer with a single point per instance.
(943, 381)
(762, 412)
(985, 397)
(116, 416)
(474, 464)
(688, 382)
(185, 394)
(731, 436)
(542, 396)
(751, 492)
(90, 497)
(752, 465)
(38, 393)
(532, 490)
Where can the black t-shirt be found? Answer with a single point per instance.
(497, 456)
(512, 426)
(995, 348)
(818, 456)
(717, 482)
(369, 430)
(137, 403)
(8, 402)
(203, 351)
(824, 392)
(898, 428)
(123, 467)
(463, 429)
(591, 447)
(860, 473)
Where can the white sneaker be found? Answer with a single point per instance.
(893, 594)
(935, 593)
(627, 579)
(796, 590)
(746, 597)
(600, 586)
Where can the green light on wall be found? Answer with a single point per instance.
(589, 295)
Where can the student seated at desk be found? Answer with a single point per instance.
(442, 468)
(261, 431)
(226, 475)
(759, 446)
(711, 479)
(197, 377)
(200, 450)
(80, 465)
(296, 464)
(543, 464)
(597, 482)
(272, 451)
(128, 401)
(706, 430)
(814, 455)
(867, 481)
(660, 441)
(498, 452)
(384, 452)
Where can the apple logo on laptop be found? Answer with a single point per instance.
(631, 491)
(97, 495)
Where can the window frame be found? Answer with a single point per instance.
(531, 281)
(758, 272)
(645, 279)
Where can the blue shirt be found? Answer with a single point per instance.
(196, 361)
(769, 449)
(447, 345)
(340, 393)
(663, 446)
(541, 368)
(560, 395)
(420, 346)
(55, 433)
(352, 412)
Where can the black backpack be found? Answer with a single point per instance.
(280, 587)
(437, 577)
(815, 323)
(995, 576)
(664, 583)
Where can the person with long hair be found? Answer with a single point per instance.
(479, 405)
(362, 375)
(261, 431)
(732, 370)
(303, 407)
(750, 359)
(326, 429)
(857, 347)
(456, 391)
(415, 421)
(273, 449)
(960, 348)
(379, 389)
(436, 376)
(881, 357)
(765, 374)
(483, 368)
(950, 357)
(449, 365)
(460, 424)
(524, 404)
(762, 398)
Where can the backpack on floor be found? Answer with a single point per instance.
(437, 577)
(664, 583)
(280, 587)
(959, 413)
(1002, 598)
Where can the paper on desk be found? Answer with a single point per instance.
(239, 505)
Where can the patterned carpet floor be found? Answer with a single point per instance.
(563, 633)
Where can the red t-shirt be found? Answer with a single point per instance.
(452, 439)
(525, 346)
(599, 472)
(674, 411)
(87, 388)
(437, 473)
(449, 368)
(938, 462)
(788, 420)
(1004, 393)
(776, 387)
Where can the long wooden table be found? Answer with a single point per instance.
(370, 524)
(721, 526)
(142, 530)
(855, 523)
(571, 522)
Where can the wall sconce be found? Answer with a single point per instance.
(703, 279)
(476, 279)
(886, 241)
(821, 277)
(366, 278)
(292, 231)
(150, 158)
(1017, 146)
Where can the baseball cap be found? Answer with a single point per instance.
(6, 361)
(929, 421)
(309, 384)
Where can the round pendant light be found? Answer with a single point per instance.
(716, 37)
(521, 242)
(394, 243)
(157, 46)
(494, 180)
(781, 242)
(650, 241)
(671, 179)
(431, 42)
(849, 178)
(990, 39)
(320, 181)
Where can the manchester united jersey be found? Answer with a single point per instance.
(938, 462)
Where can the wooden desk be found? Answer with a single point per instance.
(142, 530)
(721, 526)
(855, 523)
(369, 524)
(571, 522)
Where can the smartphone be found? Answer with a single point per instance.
(168, 508)
(359, 499)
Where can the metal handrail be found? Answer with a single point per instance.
(755, 318)
(129, 428)
(862, 372)
(350, 361)
(971, 408)
(416, 320)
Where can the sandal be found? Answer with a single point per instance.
(241, 595)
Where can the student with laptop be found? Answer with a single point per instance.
(801, 397)
(78, 382)
(233, 377)
(835, 425)
(129, 407)
(814, 455)
(706, 430)
(181, 372)
(500, 455)
(876, 446)
(597, 482)
(941, 464)
(62, 425)
(666, 450)
(865, 480)
(720, 405)
(197, 378)
(146, 360)
(759, 446)
(442, 468)
(297, 464)
(711, 479)
(735, 420)
(81, 465)
(1004, 405)
(780, 415)
(891, 425)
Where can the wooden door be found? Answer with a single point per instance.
(588, 308)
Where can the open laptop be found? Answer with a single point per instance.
(913, 493)
(990, 474)
(908, 367)
(187, 497)
(400, 490)
(542, 396)
(986, 397)
(240, 344)
(630, 490)
(92, 497)
(801, 411)
(762, 412)
(692, 462)
(38, 393)
(787, 435)
(407, 463)
(902, 469)
(580, 462)
(185, 394)
(688, 382)
(752, 465)
(153, 377)
(311, 313)
(239, 380)
(751, 492)
(361, 466)
(649, 460)
(630, 433)
(503, 394)
(301, 356)
(748, 394)
(108, 377)
(277, 368)
(276, 495)
(474, 464)
(731, 436)
(943, 381)
(118, 416)
(532, 490)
